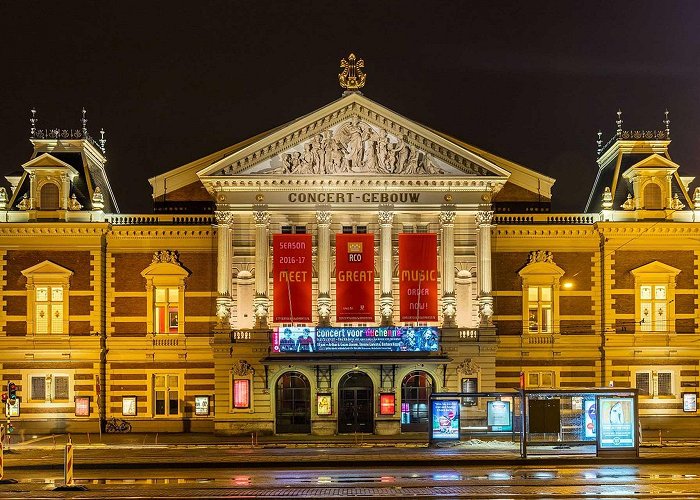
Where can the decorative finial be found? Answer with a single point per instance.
(352, 77)
(667, 122)
(619, 123)
(607, 199)
(3, 198)
(83, 120)
(599, 143)
(33, 121)
(98, 200)
(103, 141)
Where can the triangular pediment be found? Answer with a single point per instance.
(48, 161)
(352, 137)
(47, 269)
(655, 267)
(654, 162)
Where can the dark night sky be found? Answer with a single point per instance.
(530, 81)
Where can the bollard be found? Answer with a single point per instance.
(2, 459)
(68, 478)
(68, 464)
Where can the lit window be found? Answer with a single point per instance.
(166, 312)
(48, 304)
(166, 394)
(539, 307)
(241, 393)
(653, 307)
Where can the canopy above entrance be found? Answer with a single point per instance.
(357, 358)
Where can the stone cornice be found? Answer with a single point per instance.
(162, 232)
(24, 229)
(648, 229)
(352, 183)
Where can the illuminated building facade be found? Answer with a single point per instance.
(326, 276)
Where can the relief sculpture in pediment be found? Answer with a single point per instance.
(357, 147)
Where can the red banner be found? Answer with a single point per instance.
(292, 274)
(418, 277)
(354, 277)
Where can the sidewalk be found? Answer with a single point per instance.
(207, 450)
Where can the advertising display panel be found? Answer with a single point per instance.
(292, 273)
(690, 402)
(617, 423)
(201, 406)
(354, 277)
(589, 419)
(498, 416)
(324, 404)
(129, 406)
(445, 424)
(355, 339)
(387, 404)
(12, 408)
(82, 406)
(418, 277)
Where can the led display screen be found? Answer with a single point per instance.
(241, 393)
(617, 423)
(335, 339)
(445, 424)
(387, 404)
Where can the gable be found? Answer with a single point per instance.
(655, 268)
(353, 136)
(46, 270)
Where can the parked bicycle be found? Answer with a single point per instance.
(117, 425)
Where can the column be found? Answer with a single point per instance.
(223, 268)
(449, 301)
(386, 300)
(483, 235)
(261, 302)
(323, 218)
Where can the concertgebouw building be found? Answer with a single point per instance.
(327, 275)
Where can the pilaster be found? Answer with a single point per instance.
(483, 234)
(323, 218)
(449, 300)
(386, 300)
(224, 219)
(261, 302)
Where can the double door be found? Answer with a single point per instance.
(356, 405)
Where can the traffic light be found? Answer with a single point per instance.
(12, 390)
(4, 397)
(10, 428)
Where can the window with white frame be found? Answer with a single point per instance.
(48, 309)
(166, 394)
(653, 308)
(539, 309)
(540, 299)
(49, 388)
(540, 379)
(165, 290)
(654, 384)
(166, 314)
(47, 298)
(655, 285)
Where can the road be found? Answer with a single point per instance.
(599, 481)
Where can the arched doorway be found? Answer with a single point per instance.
(293, 404)
(415, 397)
(355, 403)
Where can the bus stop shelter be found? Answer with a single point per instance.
(595, 421)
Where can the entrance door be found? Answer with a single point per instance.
(356, 408)
(293, 409)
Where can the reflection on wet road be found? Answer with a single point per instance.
(618, 481)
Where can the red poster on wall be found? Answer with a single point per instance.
(354, 277)
(418, 277)
(292, 273)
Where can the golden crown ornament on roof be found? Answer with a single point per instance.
(352, 77)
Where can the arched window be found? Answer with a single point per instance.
(652, 197)
(49, 197)
(415, 397)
